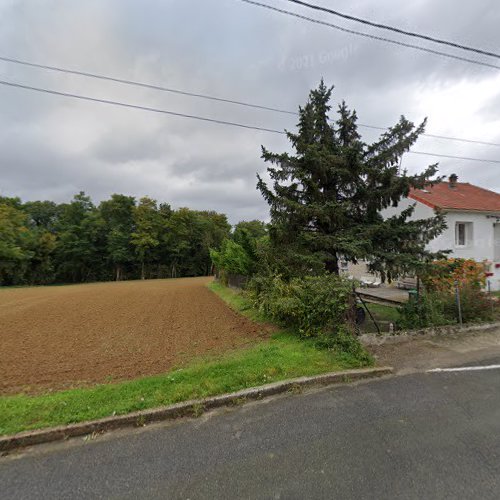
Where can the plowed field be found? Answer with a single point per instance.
(68, 336)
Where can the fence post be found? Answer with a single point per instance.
(459, 305)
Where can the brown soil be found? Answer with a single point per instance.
(60, 337)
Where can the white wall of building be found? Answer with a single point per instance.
(482, 238)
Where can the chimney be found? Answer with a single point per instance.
(453, 181)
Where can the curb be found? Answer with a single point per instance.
(186, 408)
(368, 339)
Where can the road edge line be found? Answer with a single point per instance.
(190, 408)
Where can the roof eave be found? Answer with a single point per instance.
(424, 201)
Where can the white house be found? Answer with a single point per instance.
(473, 220)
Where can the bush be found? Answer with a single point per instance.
(475, 305)
(344, 342)
(313, 305)
(440, 308)
(442, 275)
(428, 310)
(231, 259)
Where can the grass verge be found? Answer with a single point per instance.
(237, 301)
(282, 356)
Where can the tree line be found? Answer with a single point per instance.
(42, 242)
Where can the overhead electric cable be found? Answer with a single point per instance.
(193, 117)
(396, 30)
(138, 84)
(88, 74)
(484, 160)
(136, 106)
(373, 37)
(435, 136)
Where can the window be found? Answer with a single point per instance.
(463, 233)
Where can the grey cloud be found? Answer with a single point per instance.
(51, 147)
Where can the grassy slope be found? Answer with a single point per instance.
(283, 356)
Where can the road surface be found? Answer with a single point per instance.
(421, 435)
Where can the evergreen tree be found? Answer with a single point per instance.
(326, 199)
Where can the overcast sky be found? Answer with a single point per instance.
(52, 147)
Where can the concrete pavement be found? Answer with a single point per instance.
(423, 435)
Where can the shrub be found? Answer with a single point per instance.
(442, 275)
(428, 310)
(231, 259)
(475, 305)
(344, 342)
(313, 305)
(440, 308)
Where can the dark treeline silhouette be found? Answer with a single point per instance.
(42, 242)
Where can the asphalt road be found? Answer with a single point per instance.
(426, 435)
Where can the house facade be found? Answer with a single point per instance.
(472, 217)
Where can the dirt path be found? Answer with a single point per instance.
(58, 337)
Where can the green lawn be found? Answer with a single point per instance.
(282, 356)
(383, 313)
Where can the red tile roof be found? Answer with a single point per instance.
(463, 196)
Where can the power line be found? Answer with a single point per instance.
(194, 117)
(205, 96)
(136, 106)
(373, 37)
(434, 136)
(484, 160)
(138, 84)
(397, 30)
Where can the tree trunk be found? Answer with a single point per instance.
(118, 276)
(143, 276)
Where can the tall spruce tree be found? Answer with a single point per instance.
(326, 199)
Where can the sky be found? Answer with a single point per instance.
(52, 147)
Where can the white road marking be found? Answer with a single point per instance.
(464, 369)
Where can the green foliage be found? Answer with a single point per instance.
(118, 216)
(42, 242)
(326, 199)
(192, 233)
(232, 258)
(148, 226)
(344, 342)
(249, 230)
(313, 304)
(476, 306)
(240, 254)
(429, 310)
(239, 301)
(440, 308)
(14, 244)
(383, 312)
(80, 240)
